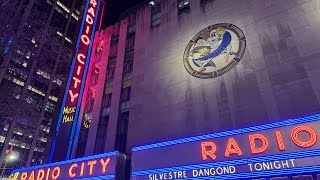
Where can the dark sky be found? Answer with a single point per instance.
(114, 8)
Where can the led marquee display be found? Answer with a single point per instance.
(100, 166)
(62, 142)
(280, 148)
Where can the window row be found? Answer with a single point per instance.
(183, 6)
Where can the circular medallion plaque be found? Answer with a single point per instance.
(214, 51)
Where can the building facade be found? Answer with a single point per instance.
(217, 89)
(138, 72)
(64, 24)
(141, 91)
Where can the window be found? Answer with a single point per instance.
(115, 32)
(130, 42)
(122, 131)
(131, 29)
(128, 56)
(110, 73)
(101, 134)
(155, 14)
(112, 62)
(50, 107)
(183, 5)
(113, 49)
(124, 106)
(82, 142)
(125, 94)
(131, 24)
(107, 87)
(128, 62)
(111, 68)
(128, 66)
(106, 102)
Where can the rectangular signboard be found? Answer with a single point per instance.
(101, 166)
(280, 148)
(62, 143)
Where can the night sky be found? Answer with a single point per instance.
(114, 8)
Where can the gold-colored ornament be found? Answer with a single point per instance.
(220, 31)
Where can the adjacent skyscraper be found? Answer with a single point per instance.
(38, 39)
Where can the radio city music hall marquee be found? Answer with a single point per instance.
(277, 149)
(102, 165)
(66, 128)
(280, 148)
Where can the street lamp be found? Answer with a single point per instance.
(12, 156)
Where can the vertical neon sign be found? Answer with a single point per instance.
(62, 142)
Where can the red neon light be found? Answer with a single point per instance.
(259, 143)
(95, 167)
(208, 152)
(279, 140)
(41, 174)
(71, 173)
(55, 172)
(254, 148)
(104, 164)
(299, 142)
(81, 169)
(233, 148)
(91, 164)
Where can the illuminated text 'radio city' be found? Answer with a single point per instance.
(302, 136)
(79, 66)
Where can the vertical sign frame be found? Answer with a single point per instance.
(68, 117)
(77, 124)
